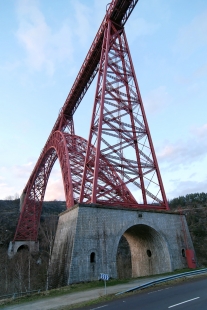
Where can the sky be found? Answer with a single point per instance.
(42, 46)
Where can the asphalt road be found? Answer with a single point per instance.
(188, 295)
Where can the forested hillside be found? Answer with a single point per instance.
(30, 271)
(194, 206)
(26, 271)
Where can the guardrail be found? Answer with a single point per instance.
(14, 295)
(165, 279)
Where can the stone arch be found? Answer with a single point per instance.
(92, 257)
(142, 251)
(17, 246)
(124, 259)
(56, 147)
(23, 247)
(70, 150)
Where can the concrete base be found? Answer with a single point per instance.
(16, 246)
(92, 239)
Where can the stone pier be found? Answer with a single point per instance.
(123, 243)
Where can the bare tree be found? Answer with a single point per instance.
(48, 231)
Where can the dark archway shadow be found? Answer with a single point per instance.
(142, 251)
(123, 259)
(23, 247)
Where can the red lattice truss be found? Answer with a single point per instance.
(117, 166)
(119, 128)
(70, 150)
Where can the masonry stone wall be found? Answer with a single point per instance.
(155, 240)
(15, 246)
(62, 250)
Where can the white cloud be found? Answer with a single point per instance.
(201, 71)
(6, 190)
(182, 188)
(21, 174)
(55, 188)
(140, 28)
(44, 47)
(185, 152)
(16, 177)
(83, 25)
(193, 36)
(156, 100)
(201, 132)
(23, 171)
(10, 66)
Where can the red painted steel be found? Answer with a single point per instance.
(109, 179)
(70, 150)
(119, 128)
(28, 223)
(190, 257)
(189, 253)
(120, 157)
(118, 11)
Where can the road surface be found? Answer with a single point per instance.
(188, 295)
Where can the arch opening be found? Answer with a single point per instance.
(93, 257)
(23, 247)
(55, 187)
(142, 251)
(123, 259)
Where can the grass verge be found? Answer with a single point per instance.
(81, 287)
(74, 288)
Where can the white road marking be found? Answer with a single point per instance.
(167, 288)
(183, 302)
(99, 307)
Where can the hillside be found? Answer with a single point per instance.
(9, 211)
(29, 271)
(194, 206)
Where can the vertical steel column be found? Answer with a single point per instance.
(89, 147)
(133, 125)
(120, 133)
(147, 129)
(98, 145)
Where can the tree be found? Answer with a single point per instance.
(48, 231)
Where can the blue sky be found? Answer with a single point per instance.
(42, 46)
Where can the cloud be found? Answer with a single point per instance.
(83, 18)
(2, 169)
(18, 175)
(44, 47)
(23, 171)
(185, 152)
(55, 188)
(194, 81)
(182, 188)
(192, 36)
(6, 190)
(201, 71)
(140, 28)
(10, 66)
(156, 100)
(201, 132)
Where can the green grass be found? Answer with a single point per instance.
(80, 287)
(74, 288)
